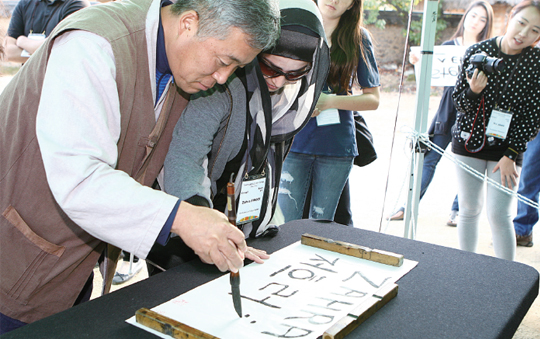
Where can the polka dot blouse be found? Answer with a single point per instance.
(521, 96)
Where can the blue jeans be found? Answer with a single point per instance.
(327, 175)
(431, 159)
(529, 187)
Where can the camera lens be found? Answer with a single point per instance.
(494, 65)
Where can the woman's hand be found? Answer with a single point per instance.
(477, 82)
(323, 103)
(509, 172)
(256, 255)
(413, 58)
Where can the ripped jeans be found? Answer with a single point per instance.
(327, 175)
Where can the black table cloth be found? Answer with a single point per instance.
(449, 294)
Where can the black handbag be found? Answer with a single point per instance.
(364, 142)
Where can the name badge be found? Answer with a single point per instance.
(33, 36)
(251, 196)
(499, 123)
(328, 117)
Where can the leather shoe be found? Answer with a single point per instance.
(524, 240)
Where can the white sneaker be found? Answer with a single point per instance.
(125, 271)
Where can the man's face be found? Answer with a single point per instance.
(197, 64)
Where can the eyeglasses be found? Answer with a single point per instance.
(271, 71)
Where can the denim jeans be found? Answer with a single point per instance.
(327, 175)
(431, 159)
(343, 213)
(529, 187)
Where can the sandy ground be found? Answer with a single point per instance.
(378, 189)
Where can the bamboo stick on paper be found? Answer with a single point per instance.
(169, 326)
(362, 252)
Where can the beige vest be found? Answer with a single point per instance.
(45, 258)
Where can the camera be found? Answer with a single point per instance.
(484, 63)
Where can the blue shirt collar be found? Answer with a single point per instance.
(162, 64)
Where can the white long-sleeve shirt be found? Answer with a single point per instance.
(78, 127)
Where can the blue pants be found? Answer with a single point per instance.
(327, 175)
(529, 187)
(8, 324)
(431, 159)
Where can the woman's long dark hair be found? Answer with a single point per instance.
(347, 44)
(486, 32)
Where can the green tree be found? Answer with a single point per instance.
(371, 14)
(402, 7)
(415, 36)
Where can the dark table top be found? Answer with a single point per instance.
(450, 293)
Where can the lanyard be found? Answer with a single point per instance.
(481, 107)
(478, 149)
(46, 22)
(511, 74)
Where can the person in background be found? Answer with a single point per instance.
(85, 127)
(498, 113)
(34, 20)
(475, 25)
(245, 127)
(529, 187)
(322, 153)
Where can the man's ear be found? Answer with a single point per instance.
(188, 23)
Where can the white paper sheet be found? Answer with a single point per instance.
(328, 117)
(446, 64)
(299, 292)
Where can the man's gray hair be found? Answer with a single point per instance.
(259, 19)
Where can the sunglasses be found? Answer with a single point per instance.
(271, 71)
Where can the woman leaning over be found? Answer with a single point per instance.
(475, 26)
(498, 113)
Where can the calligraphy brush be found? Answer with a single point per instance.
(235, 277)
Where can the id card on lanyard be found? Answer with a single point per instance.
(251, 197)
(499, 123)
(328, 116)
(500, 119)
(39, 36)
